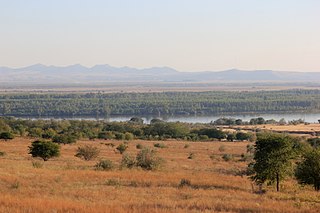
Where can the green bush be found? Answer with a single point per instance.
(108, 135)
(122, 148)
(128, 136)
(44, 149)
(6, 136)
(104, 165)
(64, 139)
(87, 152)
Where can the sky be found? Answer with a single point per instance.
(187, 35)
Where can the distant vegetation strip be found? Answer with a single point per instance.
(159, 104)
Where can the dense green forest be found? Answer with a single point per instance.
(159, 104)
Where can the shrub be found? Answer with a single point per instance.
(87, 152)
(2, 153)
(37, 164)
(104, 165)
(6, 136)
(222, 148)
(106, 135)
(148, 160)
(227, 157)
(122, 148)
(184, 182)
(191, 156)
(64, 139)
(128, 136)
(203, 137)
(186, 146)
(113, 182)
(128, 161)
(250, 149)
(160, 145)
(139, 146)
(241, 136)
(246, 157)
(44, 149)
(119, 136)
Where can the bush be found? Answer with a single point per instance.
(119, 136)
(64, 139)
(104, 165)
(128, 161)
(37, 164)
(128, 136)
(222, 148)
(184, 182)
(87, 152)
(44, 149)
(139, 146)
(191, 155)
(2, 153)
(203, 137)
(6, 136)
(148, 160)
(160, 145)
(242, 136)
(122, 148)
(227, 157)
(106, 135)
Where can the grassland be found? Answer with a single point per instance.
(69, 184)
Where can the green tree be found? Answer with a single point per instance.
(44, 149)
(241, 136)
(273, 158)
(308, 171)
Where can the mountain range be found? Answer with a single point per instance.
(42, 74)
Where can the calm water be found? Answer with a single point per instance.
(309, 117)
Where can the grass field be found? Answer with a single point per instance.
(69, 184)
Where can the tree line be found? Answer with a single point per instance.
(159, 104)
(68, 131)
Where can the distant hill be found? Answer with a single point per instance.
(42, 74)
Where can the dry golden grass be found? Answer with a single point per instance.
(69, 184)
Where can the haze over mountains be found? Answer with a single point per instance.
(42, 74)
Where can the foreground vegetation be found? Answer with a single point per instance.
(99, 166)
(205, 182)
(166, 103)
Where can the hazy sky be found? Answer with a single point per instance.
(187, 35)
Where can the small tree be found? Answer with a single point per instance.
(273, 158)
(44, 149)
(308, 171)
(6, 136)
(87, 152)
